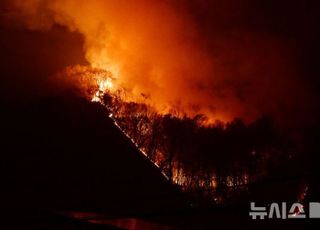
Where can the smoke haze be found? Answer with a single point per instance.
(224, 59)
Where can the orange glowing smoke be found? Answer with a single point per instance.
(157, 50)
(91, 82)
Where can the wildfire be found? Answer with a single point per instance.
(104, 85)
(100, 86)
(94, 83)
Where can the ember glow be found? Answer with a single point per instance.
(158, 51)
(104, 86)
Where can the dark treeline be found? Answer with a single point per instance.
(211, 161)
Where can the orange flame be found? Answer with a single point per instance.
(157, 50)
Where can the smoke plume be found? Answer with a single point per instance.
(224, 59)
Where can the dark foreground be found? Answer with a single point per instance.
(65, 165)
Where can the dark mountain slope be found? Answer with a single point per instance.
(64, 153)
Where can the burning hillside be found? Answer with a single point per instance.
(213, 159)
(137, 107)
